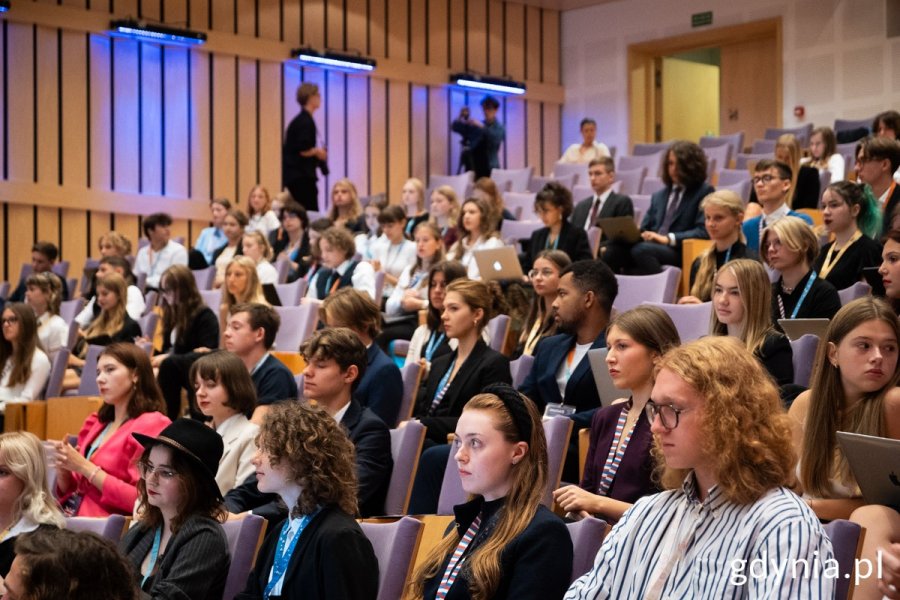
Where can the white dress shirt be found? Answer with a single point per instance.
(134, 306)
(154, 264)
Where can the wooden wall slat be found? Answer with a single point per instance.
(476, 35)
(75, 3)
(418, 33)
(552, 142)
(457, 38)
(334, 34)
(269, 19)
(357, 25)
(438, 34)
(513, 111)
(100, 112)
(5, 274)
(223, 15)
(48, 99)
(398, 139)
(126, 145)
(21, 237)
(313, 24)
(378, 148)
(224, 95)
(398, 33)
(246, 17)
(150, 9)
(128, 226)
(47, 221)
(247, 175)
(3, 92)
(200, 125)
(550, 46)
(180, 228)
(420, 149)
(75, 245)
(359, 145)
(533, 47)
(125, 7)
(335, 124)
(495, 38)
(74, 91)
(151, 119)
(21, 103)
(196, 228)
(198, 14)
(533, 140)
(176, 136)
(515, 41)
(176, 11)
(99, 225)
(270, 133)
(377, 28)
(291, 23)
(438, 133)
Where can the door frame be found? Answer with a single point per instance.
(644, 103)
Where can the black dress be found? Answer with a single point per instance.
(864, 252)
(777, 356)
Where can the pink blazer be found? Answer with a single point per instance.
(117, 457)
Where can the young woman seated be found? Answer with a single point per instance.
(319, 552)
(429, 340)
(290, 242)
(98, 475)
(823, 154)
(233, 226)
(852, 215)
(177, 546)
(619, 463)
(742, 308)
(241, 286)
(24, 367)
(544, 276)
(485, 189)
(724, 213)
(312, 263)
(444, 213)
(134, 304)
(225, 394)
(504, 544)
(397, 253)
(112, 243)
(369, 242)
(256, 247)
(477, 232)
(260, 215)
(346, 210)
(43, 294)
(340, 269)
(412, 199)
(553, 205)
(789, 246)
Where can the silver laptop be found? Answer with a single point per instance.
(797, 328)
(875, 463)
(605, 386)
(498, 263)
(620, 229)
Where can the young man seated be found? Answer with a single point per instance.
(43, 257)
(772, 182)
(161, 253)
(727, 461)
(336, 362)
(338, 248)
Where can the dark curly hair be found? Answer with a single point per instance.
(315, 452)
(690, 161)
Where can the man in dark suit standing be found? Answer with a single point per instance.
(605, 203)
(674, 215)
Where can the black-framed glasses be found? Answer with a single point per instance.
(165, 473)
(667, 413)
(9, 320)
(766, 179)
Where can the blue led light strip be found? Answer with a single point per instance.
(324, 61)
(150, 33)
(499, 88)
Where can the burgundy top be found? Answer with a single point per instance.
(632, 480)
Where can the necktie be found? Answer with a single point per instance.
(595, 208)
(670, 213)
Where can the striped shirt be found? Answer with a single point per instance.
(672, 545)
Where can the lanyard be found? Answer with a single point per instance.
(409, 226)
(433, 343)
(831, 259)
(442, 388)
(154, 554)
(99, 440)
(456, 559)
(616, 452)
(282, 555)
(555, 242)
(806, 289)
(728, 254)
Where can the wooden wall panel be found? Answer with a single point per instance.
(98, 222)
(313, 24)
(495, 38)
(336, 121)
(129, 225)
(247, 135)
(126, 148)
(151, 116)
(223, 15)
(358, 141)
(418, 32)
(74, 247)
(246, 17)
(438, 132)
(270, 129)
(550, 46)
(438, 34)
(420, 147)
(224, 128)
(533, 145)
(457, 37)
(198, 15)
(74, 125)
(100, 130)
(334, 15)
(377, 136)
(48, 102)
(551, 141)
(3, 107)
(515, 41)
(398, 139)
(357, 25)
(20, 227)
(150, 9)
(127, 7)
(476, 35)
(21, 103)
(533, 47)
(47, 222)
(377, 37)
(398, 32)
(176, 135)
(290, 24)
(270, 19)
(176, 11)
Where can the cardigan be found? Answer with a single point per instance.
(194, 565)
(202, 332)
(333, 560)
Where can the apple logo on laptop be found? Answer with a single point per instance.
(893, 478)
(497, 265)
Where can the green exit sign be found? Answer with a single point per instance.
(701, 19)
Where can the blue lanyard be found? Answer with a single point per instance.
(728, 254)
(154, 554)
(806, 289)
(445, 380)
(409, 226)
(555, 242)
(282, 557)
(99, 440)
(433, 343)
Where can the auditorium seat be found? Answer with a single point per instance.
(587, 537)
(802, 133)
(395, 545)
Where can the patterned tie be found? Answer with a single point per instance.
(595, 208)
(670, 213)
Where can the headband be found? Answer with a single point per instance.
(515, 405)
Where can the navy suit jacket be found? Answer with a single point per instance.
(616, 205)
(381, 387)
(688, 222)
(274, 382)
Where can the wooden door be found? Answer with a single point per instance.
(750, 87)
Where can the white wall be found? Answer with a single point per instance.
(837, 59)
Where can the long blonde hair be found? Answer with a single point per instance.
(22, 454)
(756, 296)
(252, 293)
(453, 214)
(789, 143)
(703, 281)
(110, 322)
(356, 208)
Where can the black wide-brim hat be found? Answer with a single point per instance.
(199, 443)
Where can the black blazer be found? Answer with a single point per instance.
(381, 386)
(484, 366)
(572, 240)
(333, 560)
(689, 219)
(130, 330)
(777, 356)
(218, 252)
(372, 440)
(616, 205)
(202, 331)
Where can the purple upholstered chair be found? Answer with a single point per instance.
(410, 375)
(110, 527)
(587, 536)
(290, 294)
(631, 172)
(212, 299)
(283, 267)
(150, 299)
(651, 185)
(69, 309)
(205, 277)
(88, 384)
(557, 430)
(297, 323)
(857, 290)
(851, 124)
(763, 147)
(802, 133)
(521, 204)
(515, 231)
(379, 286)
(497, 328)
(634, 289)
(846, 539)
(512, 180)
(720, 154)
(406, 447)
(148, 324)
(804, 356)
(580, 172)
(691, 320)
(243, 536)
(655, 148)
(743, 160)
(519, 369)
(730, 176)
(452, 492)
(395, 545)
(57, 373)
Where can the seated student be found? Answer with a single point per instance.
(110, 244)
(477, 232)
(291, 241)
(256, 248)
(890, 268)
(346, 210)
(589, 149)
(553, 205)
(306, 458)
(853, 388)
(189, 328)
(724, 212)
(134, 304)
(24, 367)
(260, 215)
(727, 462)
(412, 199)
(43, 257)
(410, 295)
(233, 225)
(619, 463)
(444, 213)
(397, 253)
(44, 296)
(242, 286)
(250, 334)
(504, 544)
(58, 563)
(313, 263)
(823, 154)
(161, 253)
(674, 215)
(225, 394)
(211, 238)
(485, 189)
(381, 387)
(464, 372)
(27, 503)
(804, 190)
(851, 214)
(742, 308)
(429, 340)
(877, 158)
(605, 202)
(371, 239)
(340, 269)
(772, 183)
(790, 246)
(541, 320)
(177, 546)
(98, 476)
